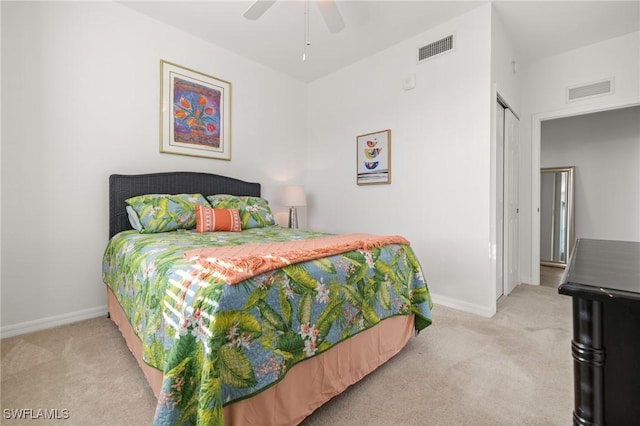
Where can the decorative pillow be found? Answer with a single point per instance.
(209, 220)
(134, 220)
(254, 211)
(164, 212)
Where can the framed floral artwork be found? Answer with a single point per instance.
(195, 113)
(373, 158)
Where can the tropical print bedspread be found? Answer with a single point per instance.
(218, 343)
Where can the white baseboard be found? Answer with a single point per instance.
(54, 321)
(461, 306)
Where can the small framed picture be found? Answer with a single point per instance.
(373, 158)
(195, 113)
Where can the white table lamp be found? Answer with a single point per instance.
(293, 196)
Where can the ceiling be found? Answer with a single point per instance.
(537, 28)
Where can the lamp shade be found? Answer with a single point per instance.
(294, 196)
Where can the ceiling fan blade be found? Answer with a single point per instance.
(257, 9)
(331, 14)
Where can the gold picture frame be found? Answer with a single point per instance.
(373, 158)
(195, 113)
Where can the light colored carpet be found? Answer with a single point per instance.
(512, 369)
(551, 276)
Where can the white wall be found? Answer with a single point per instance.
(80, 100)
(544, 84)
(439, 194)
(504, 64)
(605, 148)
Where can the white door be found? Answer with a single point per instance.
(499, 198)
(511, 197)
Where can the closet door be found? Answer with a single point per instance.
(499, 199)
(511, 201)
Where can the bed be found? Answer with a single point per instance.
(220, 342)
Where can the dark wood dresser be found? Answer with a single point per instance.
(603, 277)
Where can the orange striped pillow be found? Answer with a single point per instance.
(208, 219)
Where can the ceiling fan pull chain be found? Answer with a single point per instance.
(307, 42)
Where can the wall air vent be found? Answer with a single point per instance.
(603, 87)
(436, 48)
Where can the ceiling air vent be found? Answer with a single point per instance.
(604, 87)
(436, 48)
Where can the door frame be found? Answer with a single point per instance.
(536, 144)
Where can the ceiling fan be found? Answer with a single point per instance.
(328, 10)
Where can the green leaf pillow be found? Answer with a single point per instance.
(165, 212)
(254, 211)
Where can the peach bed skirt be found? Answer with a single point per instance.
(309, 384)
